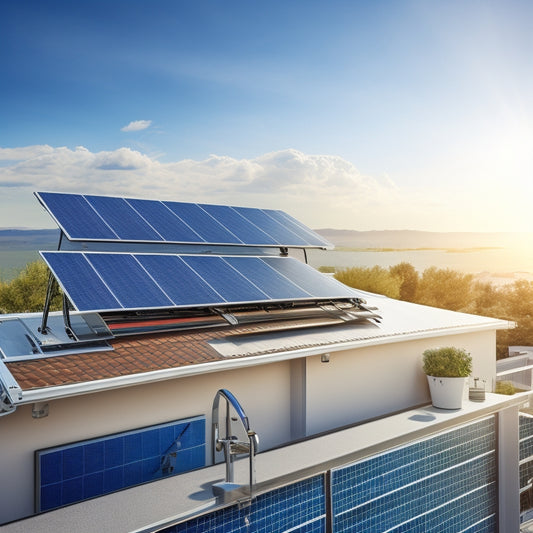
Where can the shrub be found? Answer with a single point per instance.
(505, 387)
(447, 362)
(376, 279)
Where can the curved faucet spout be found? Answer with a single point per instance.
(230, 399)
(230, 444)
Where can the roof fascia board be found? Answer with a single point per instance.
(66, 391)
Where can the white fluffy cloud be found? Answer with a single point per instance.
(137, 125)
(25, 152)
(320, 190)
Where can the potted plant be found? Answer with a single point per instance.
(447, 369)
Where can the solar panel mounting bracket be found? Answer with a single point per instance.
(50, 293)
(66, 318)
(230, 318)
(349, 315)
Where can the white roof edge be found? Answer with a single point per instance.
(9, 384)
(65, 391)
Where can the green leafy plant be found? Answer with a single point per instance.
(447, 362)
(505, 387)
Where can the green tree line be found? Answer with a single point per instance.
(436, 287)
(27, 292)
(453, 290)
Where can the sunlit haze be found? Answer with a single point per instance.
(347, 114)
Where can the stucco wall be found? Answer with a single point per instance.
(360, 384)
(263, 391)
(355, 385)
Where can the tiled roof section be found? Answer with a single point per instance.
(131, 355)
(166, 351)
(134, 355)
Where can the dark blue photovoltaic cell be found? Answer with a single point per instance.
(129, 282)
(165, 222)
(76, 217)
(231, 285)
(100, 281)
(114, 462)
(203, 223)
(271, 226)
(242, 228)
(296, 227)
(278, 287)
(79, 280)
(183, 286)
(103, 218)
(126, 223)
(310, 279)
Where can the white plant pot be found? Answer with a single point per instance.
(446, 393)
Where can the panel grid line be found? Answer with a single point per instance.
(288, 219)
(103, 281)
(152, 278)
(288, 279)
(204, 280)
(474, 527)
(146, 221)
(443, 505)
(251, 222)
(143, 221)
(181, 219)
(91, 266)
(100, 217)
(274, 220)
(247, 279)
(219, 222)
(113, 281)
(304, 524)
(416, 482)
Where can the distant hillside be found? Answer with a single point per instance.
(20, 246)
(46, 239)
(401, 239)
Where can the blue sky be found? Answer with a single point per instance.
(347, 114)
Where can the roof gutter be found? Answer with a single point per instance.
(65, 391)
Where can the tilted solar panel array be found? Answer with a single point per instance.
(111, 219)
(108, 282)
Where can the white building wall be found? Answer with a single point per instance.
(263, 391)
(360, 384)
(281, 400)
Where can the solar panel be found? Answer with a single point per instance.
(165, 222)
(106, 282)
(272, 226)
(208, 228)
(123, 219)
(309, 279)
(112, 219)
(128, 282)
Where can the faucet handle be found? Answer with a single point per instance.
(253, 436)
(237, 447)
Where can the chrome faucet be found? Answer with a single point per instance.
(230, 444)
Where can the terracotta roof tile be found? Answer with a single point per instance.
(130, 356)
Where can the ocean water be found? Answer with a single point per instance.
(13, 261)
(496, 261)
